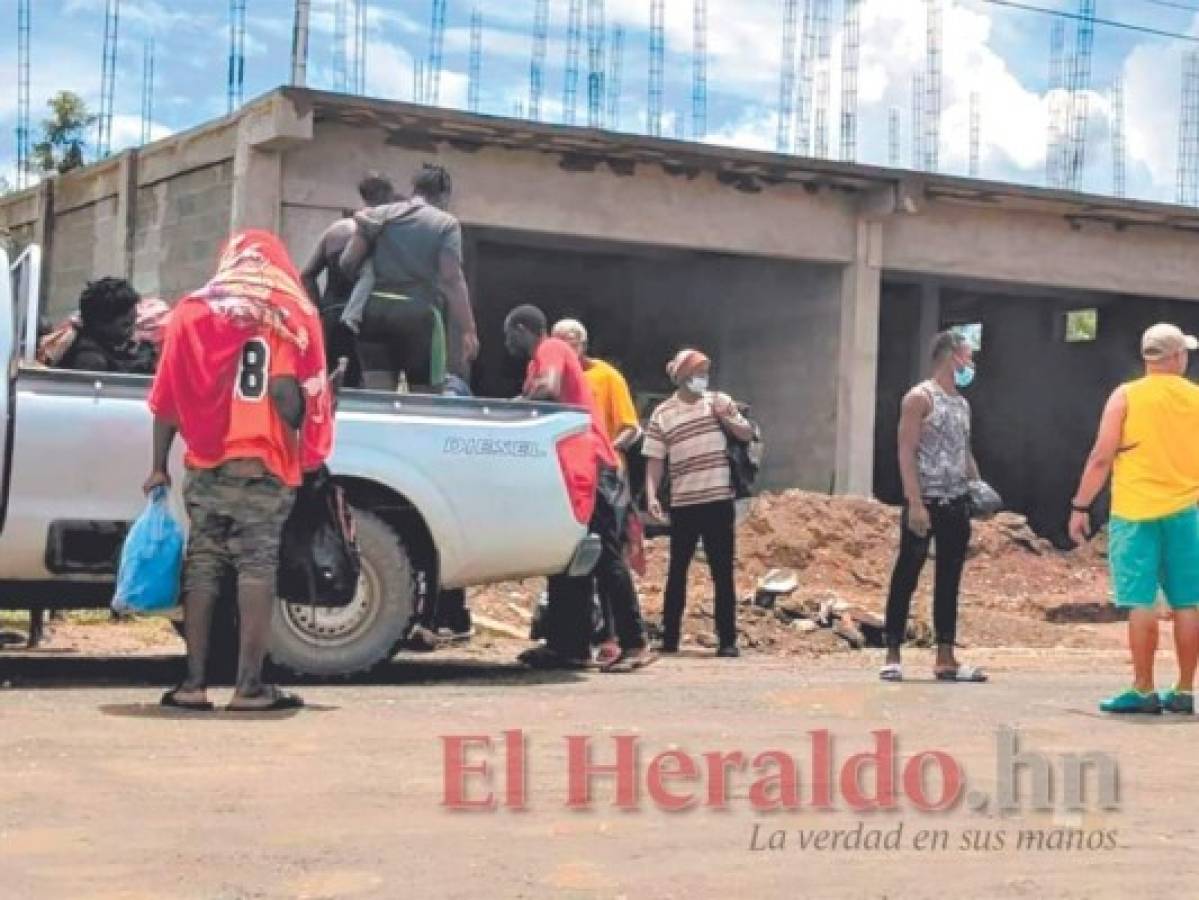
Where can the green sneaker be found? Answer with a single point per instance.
(1132, 701)
(1177, 701)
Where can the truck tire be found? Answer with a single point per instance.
(365, 634)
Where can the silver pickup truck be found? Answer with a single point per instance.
(446, 493)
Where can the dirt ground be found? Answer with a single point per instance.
(1018, 591)
(108, 796)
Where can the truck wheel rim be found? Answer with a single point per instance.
(337, 626)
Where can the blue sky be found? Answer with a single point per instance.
(1000, 53)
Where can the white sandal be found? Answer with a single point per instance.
(891, 672)
(962, 674)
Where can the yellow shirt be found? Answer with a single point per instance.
(612, 397)
(1156, 472)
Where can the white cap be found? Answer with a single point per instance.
(571, 328)
(1164, 340)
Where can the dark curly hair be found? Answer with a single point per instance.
(106, 300)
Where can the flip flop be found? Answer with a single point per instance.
(282, 700)
(546, 660)
(963, 673)
(170, 700)
(891, 672)
(628, 663)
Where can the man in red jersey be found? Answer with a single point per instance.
(556, 375)
(242, 380)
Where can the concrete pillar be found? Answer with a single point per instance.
(257, 188)
(857, 370)
(930, 324)
(265, 132)
(43, 236)
(127, 210)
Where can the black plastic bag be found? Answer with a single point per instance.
(319, 564)
(745, 457)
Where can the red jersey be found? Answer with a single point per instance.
(227, 412)
(224, 343)
(555, 355)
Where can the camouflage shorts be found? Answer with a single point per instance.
(237, 512)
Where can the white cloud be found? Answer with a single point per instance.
(1153, 98)
(147, 13)
(389, 72)
(127, 132)
(753, 131)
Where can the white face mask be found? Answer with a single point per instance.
(697, 384)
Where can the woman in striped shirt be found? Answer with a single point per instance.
(688, 435)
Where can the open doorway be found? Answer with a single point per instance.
(771, 327)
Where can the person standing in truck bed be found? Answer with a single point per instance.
(407, 259)
(375, 190)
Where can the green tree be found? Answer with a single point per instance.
(61, 147)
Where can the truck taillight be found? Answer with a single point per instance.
(576, 458)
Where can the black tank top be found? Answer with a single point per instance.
(337, 287)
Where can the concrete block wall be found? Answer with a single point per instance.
(86, 247)
(179, 227)
(156, 215)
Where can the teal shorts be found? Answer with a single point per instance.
(1159, 553)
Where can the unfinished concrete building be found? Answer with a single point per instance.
(815, 285)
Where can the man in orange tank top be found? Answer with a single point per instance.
(1146, 443)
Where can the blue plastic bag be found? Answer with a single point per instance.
(151, 560)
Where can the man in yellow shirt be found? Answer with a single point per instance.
(608, 386)
(1147, 443)
(614, 403)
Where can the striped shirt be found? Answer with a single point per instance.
(688, 436)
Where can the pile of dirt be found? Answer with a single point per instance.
(1018, 589)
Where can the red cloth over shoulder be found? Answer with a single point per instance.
(256, 292)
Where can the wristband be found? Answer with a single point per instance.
(1079, 509)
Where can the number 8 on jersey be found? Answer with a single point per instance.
(252, 374)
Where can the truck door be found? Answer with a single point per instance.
(19, 299)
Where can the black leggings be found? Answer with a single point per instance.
(715, 523)
(951, 530)
(396, 336)
(341, 343)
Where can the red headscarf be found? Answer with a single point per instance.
(255, 287)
